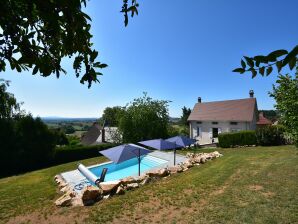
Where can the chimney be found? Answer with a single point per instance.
(103, 135)
(251, 93)
(199, 100)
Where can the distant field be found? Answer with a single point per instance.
(80, 125)
(246, 185)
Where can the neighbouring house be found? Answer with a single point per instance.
(208, 119)
(263, 121)
(98, 135)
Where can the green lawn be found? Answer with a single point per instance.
(247, 185)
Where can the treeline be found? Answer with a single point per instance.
(144, 118)
(26, 143)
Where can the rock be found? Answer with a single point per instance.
(158, 173)
(120, 190)
(132, 186)
(62, 185)
(109, 187)
(198, 159)
(175, 169)
(106, 196)
(190, 155)
(71, 193)
(63, 201)
(146, 180)
(91, 194)
(187, 164)
(203, 160)
(192, 161)
(216, 154)
(141, 178)
(77, 201)
(127, 180)
(65, 189)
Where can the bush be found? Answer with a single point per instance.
(73, 153)
(270, 135)
(240, 138)
(26, 144)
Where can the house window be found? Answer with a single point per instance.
(198, 131)
(214, 122)
(235, 130)
(199, 122)
(233, 123)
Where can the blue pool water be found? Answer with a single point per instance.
(127, 168)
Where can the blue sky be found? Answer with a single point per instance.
(174, 50)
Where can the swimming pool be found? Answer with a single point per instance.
(127, 168)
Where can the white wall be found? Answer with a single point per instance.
(205, 135)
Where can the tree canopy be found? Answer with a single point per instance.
(38, 34)
(111, 116)
(185, 114)
(285, 94)
(144, 118)
(9, 107)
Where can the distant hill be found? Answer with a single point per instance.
(174, 119)
(68, 119)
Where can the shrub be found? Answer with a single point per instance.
(240, 138)
(270, 135)
(26, 144)
(73, 153)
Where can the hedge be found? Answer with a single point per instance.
(271, 135)
(226, 140)
(69, 154)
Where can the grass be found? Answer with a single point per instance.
(247, 185)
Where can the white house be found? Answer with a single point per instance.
(209, 119)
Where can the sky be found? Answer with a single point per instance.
(173, 50)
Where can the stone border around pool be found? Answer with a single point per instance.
(91, 194)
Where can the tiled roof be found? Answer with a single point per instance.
(228, 110)
(91, 135)
(263, 120)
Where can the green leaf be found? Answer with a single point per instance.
(269, 70)
(35, 70)
(103, 66)
(249, 61)
(262, 70)
(239, 70)
(279, 66)
(93, 55)
(271, 58)
(292, 54)
(254, 73)
(243, 64)
(277, 53)
(261, 59)
(292, 63)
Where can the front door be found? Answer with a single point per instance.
(214, 132)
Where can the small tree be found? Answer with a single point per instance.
(285, 94)
(144, 119)
(9, 107)
(185, 114)
(111, 116)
